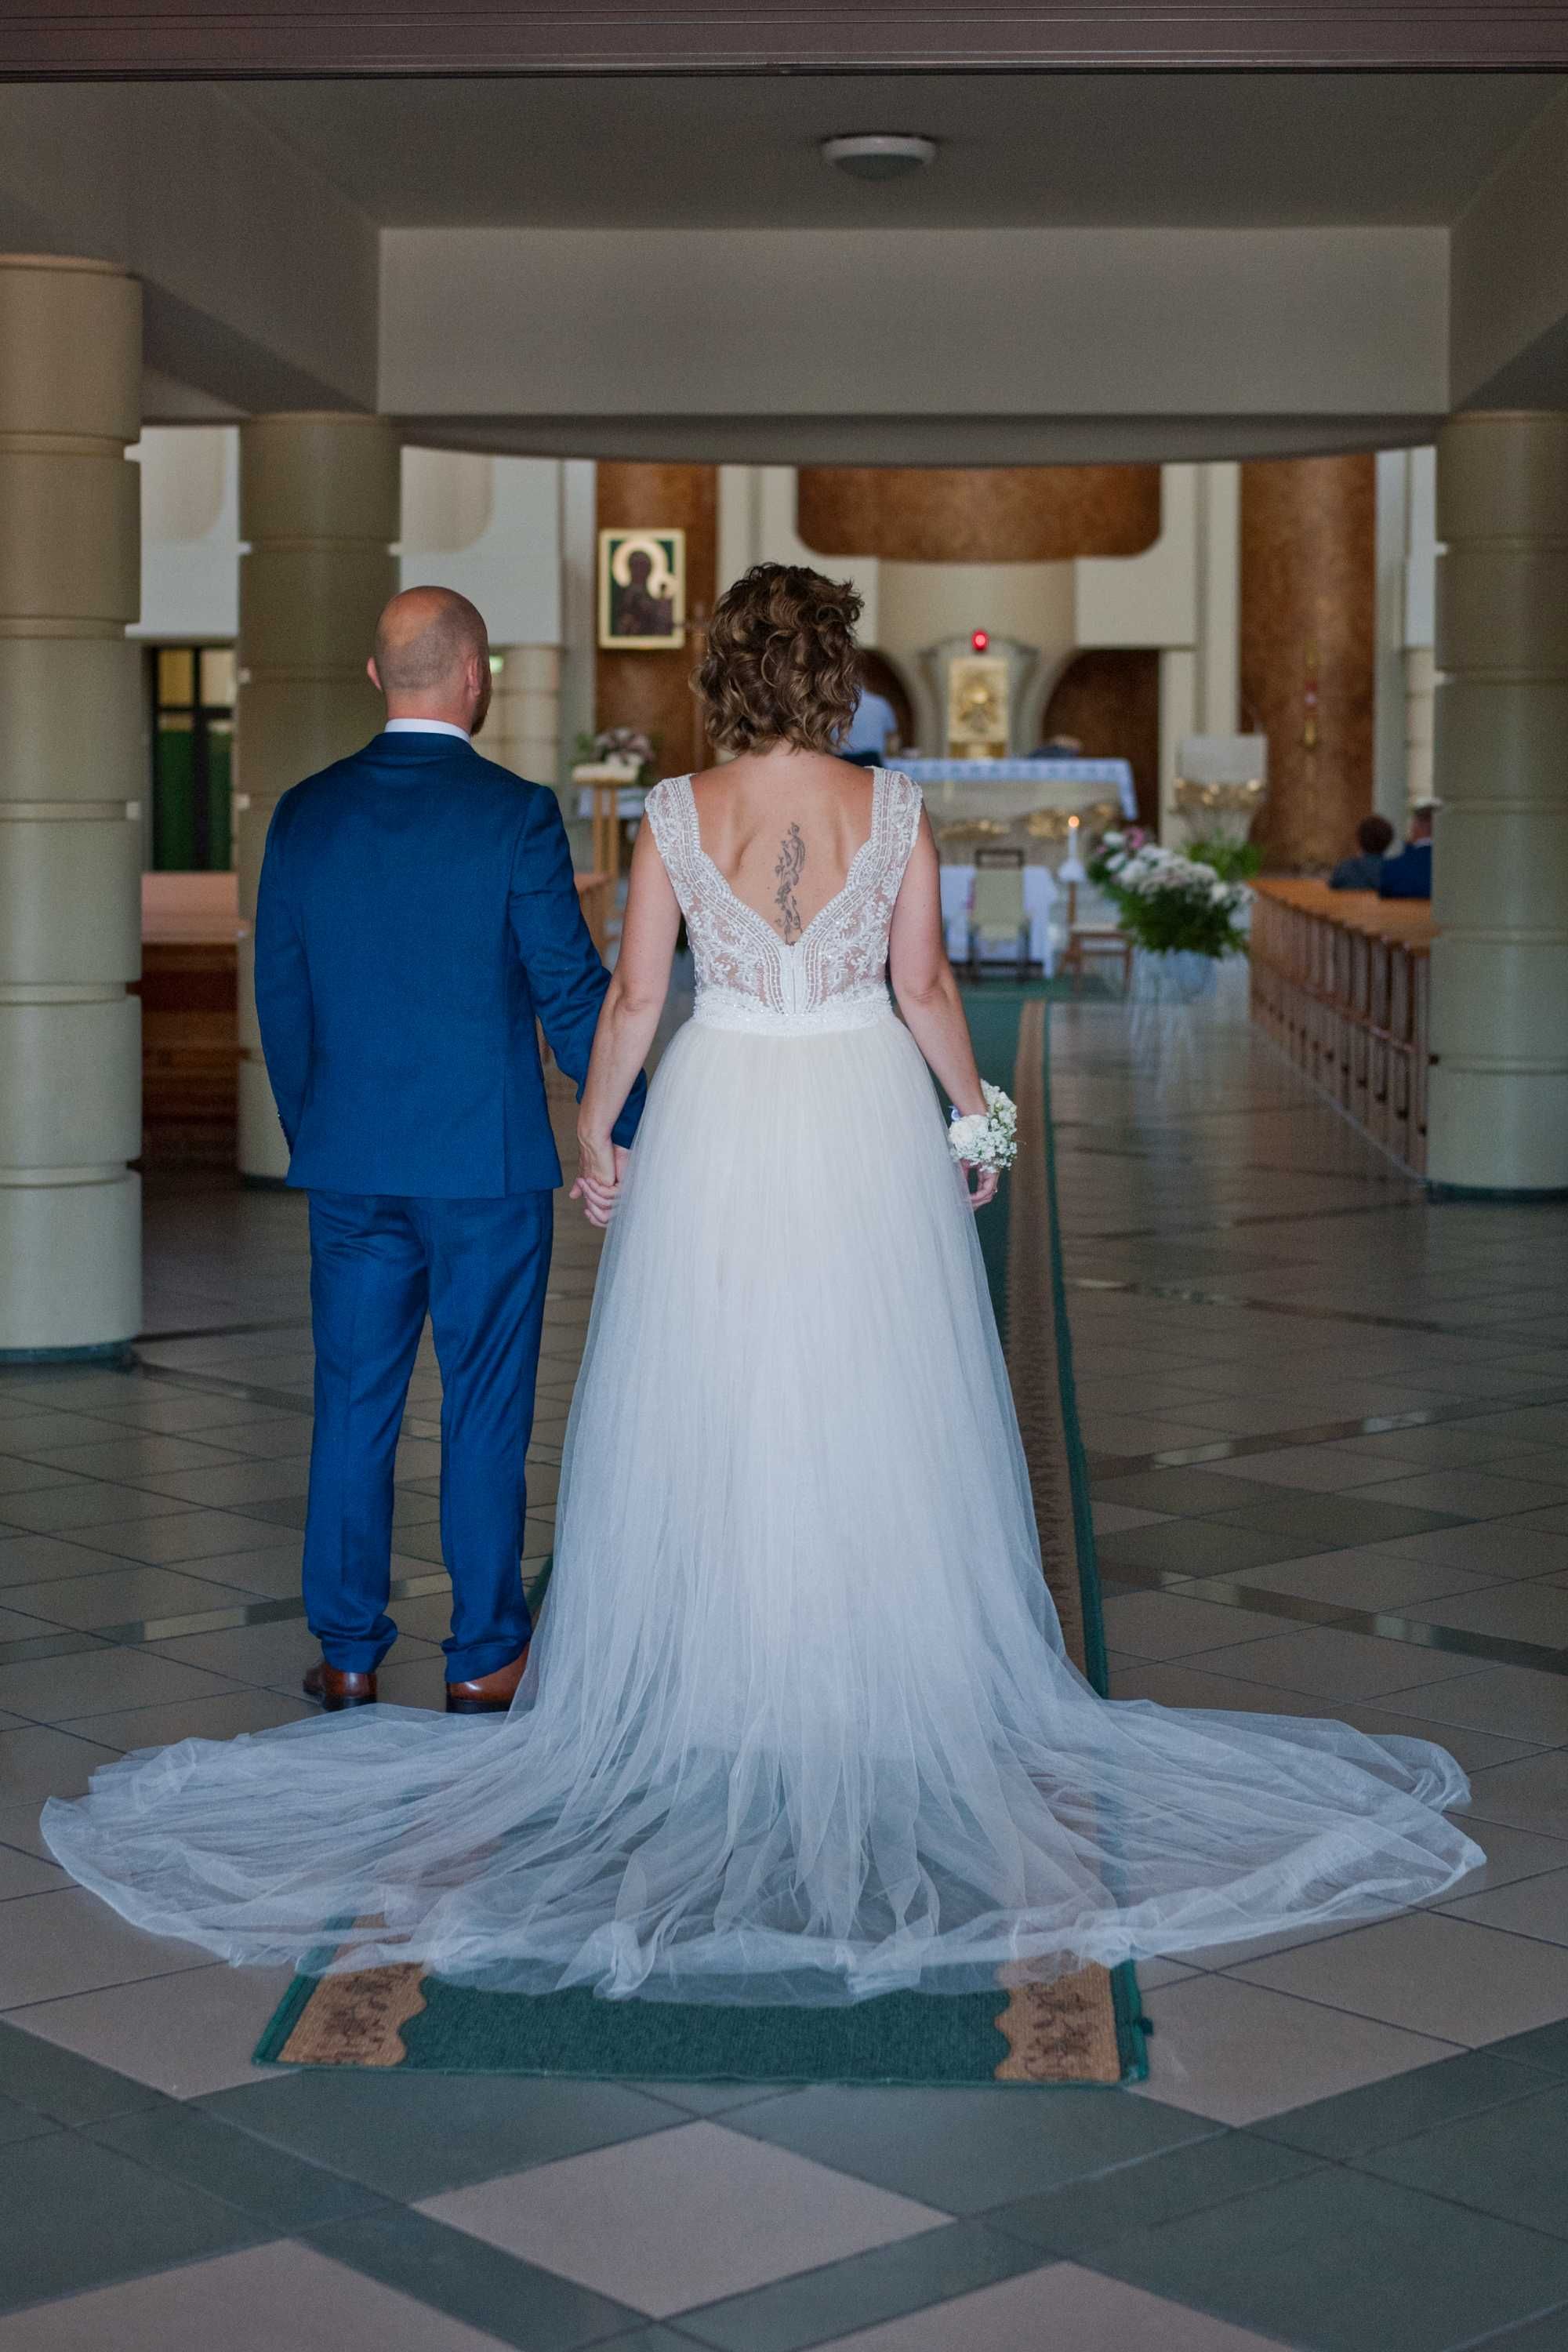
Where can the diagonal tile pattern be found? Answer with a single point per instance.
(1328, 1423)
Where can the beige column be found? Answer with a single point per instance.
(524, 730)
(72, 779)
(318, 513)
(1499, 1106)
(1420, 691)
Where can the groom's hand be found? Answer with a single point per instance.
(598, 1184)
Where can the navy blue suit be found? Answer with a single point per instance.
(416, 915)
(1408, 872)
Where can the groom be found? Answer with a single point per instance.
(416, 913)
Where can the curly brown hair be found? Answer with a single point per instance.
(781, 664)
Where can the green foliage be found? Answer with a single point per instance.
(1233, 861)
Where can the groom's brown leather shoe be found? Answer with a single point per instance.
(336, 1688)
(488, 1694)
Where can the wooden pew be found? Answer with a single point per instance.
(190, 1020)
(1342, 981)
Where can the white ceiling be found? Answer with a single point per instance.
(1018, 149)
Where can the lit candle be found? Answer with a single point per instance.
(1071, 869)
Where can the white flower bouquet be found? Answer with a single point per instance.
(1169, 904)
(987, 1138)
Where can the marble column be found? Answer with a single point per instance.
(317, 514)
(1499, 1102)
(72, 760)
(524, 730)
(1309, 635)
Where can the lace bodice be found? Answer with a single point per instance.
(832, 977)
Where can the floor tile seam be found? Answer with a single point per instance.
(1491, 1820)
(239, 1687)
(197, 1383)
(1238, 1302)
(19, 2009)
(1235, 1974)
(120, 2278)
(222, 1460)
(1512, 2327)
(1048, 2259)
(63, 1642)
(505, 2169)
(1247, 1220)
(1558, 2238)
(1313, 2162)
(375, 2199)
(1214, 2132)
(1375, 1625)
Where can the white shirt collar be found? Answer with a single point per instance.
(425, 727)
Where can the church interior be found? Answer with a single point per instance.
(1193, 424)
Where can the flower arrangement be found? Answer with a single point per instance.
(1169, 904)
(987, 1138)
(1233, 861)
(627, 745)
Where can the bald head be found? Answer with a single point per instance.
(432, 657)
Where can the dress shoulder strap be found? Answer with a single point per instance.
(900, 807)
(671, 816)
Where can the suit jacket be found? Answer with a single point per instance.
(416, 912)
(1408, 872)
(1363, 872)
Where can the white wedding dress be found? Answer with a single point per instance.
(797, 1725)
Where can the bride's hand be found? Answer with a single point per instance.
(980, 1184)
(601, 1166)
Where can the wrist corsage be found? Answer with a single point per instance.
(987, 1138)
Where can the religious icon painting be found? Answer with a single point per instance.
(642, 591)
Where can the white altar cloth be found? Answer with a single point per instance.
(1116, 773)
(1039, 897)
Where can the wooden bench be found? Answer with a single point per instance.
(1342, 981)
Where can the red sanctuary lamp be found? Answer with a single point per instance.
(980, 639)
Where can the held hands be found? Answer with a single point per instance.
(601, 1168)
(979, 1182)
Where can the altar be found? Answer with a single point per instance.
(1011, 790)
(1034, 807)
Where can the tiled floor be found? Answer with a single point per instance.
(1327, 1425)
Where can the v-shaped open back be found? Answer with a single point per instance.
(832, 975)
(879, 781)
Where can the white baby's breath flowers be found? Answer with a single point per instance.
(987, 1138)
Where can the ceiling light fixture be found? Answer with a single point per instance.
(880, 155)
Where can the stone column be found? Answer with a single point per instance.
(1420, 691)
(524, 730)
(72, 779)
(318, 513)
(1498, 1103)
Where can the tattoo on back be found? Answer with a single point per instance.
(788, 872)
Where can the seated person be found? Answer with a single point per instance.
(1409, 875)
(873, 732)
(1363, 872)
(1058, 747)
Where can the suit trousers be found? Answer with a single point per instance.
(378, 1264)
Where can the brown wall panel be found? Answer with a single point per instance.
(1109, 699)
(978, 514)
(1309, 559)
(654, 690)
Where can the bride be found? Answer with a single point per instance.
(798, 1724)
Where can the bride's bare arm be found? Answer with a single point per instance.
(627, 1019)
(927, 991)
